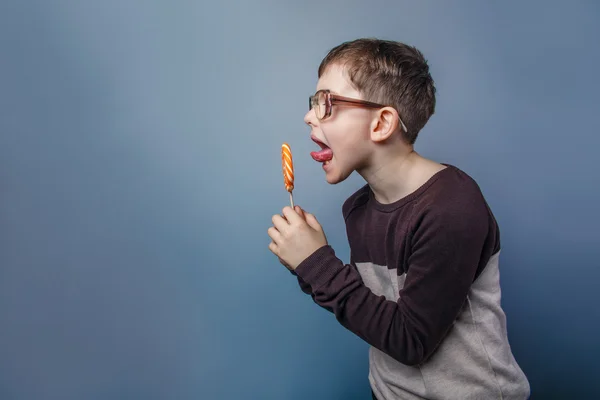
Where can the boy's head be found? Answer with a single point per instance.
(396, 97)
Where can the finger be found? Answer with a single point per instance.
(300, 211)
(274, 234)
(291, 215)
(311, 220)
(279, 222)
(274, 249)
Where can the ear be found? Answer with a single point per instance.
(384, 124)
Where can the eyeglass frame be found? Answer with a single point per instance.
(331, 99)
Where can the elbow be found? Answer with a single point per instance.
(409, 343)
(411, 359)
(412, 353)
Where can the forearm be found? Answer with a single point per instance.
(386, 325)
(305, 287)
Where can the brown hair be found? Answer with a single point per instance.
(390, 73)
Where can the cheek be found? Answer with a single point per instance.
(353, 137)
(346, 132)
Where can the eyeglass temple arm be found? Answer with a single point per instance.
(366, 104)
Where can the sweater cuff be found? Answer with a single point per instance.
(320, 267)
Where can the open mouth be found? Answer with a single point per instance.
(324, 155)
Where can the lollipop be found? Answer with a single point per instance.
(288, 169)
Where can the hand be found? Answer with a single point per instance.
(301, 213)
(295, 236)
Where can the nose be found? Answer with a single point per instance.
(310, 118)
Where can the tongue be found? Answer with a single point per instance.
(322, 155)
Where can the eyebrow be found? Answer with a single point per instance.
(331, 91)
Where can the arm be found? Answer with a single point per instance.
(446, 251)
(305, 287)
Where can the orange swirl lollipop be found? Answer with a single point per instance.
(288, 169)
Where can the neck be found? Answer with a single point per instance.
(396, 174)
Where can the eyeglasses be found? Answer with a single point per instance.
(322, 102)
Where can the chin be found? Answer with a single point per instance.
(335, 176)
(333, 181)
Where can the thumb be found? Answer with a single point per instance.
(311, 220)
(300, 211)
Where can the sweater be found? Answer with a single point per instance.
(422, 288)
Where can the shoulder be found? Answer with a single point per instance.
(452, 218)
(453, 202)
(451, 190)
(355, 200)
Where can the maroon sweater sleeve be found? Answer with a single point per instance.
(446, 248)
(305, 287)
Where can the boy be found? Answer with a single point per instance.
(422, 285)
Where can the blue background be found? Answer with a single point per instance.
(140, 166)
